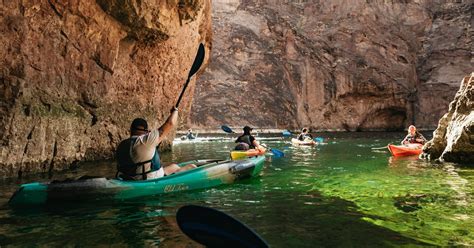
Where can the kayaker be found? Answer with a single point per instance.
(304, 135)
(190, 134)
(413, 137)
(246, 141)
(137, 156)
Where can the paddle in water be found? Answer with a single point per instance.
(214, 228)
(286, 133)
(379, 148)
(277, 153)
(319, 139)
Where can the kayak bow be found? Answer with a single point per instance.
(405, 150)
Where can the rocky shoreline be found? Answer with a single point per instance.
(453, 140)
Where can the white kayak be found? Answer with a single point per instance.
(306, 142)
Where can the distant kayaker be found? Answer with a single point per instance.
(190, 134)
(138, 157)
(247, 141)
(304, 135)
(413, 137)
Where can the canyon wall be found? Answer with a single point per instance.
(74, 74)
(333, 65)
(453, 140)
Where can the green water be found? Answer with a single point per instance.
(339, 194)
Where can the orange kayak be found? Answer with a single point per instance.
(405, 150)
(235, 155)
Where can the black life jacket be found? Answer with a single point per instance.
(127, 168)
(246, 139)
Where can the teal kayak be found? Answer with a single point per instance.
(209, 173)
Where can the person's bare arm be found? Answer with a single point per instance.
(171, 122)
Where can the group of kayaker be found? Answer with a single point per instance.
(138, 157)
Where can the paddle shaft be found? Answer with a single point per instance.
(379, 148)
(182, 93)
(194, 68)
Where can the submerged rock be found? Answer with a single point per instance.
(75, 73)
(453, 140)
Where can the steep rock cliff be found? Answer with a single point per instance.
(75, 73)
(333, 65)
(453, 140)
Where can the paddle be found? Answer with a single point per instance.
(319, 139)
(379, 148)
(227, 129)
(277, 153)
(214, 228)
(286, 133)
(194, 68)
(196, 65)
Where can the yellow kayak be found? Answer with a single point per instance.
(236, 155)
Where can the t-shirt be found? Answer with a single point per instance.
(144, 149)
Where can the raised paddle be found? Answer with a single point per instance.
(196, 65)
(194, 68)
(214, 228)
(227, 129)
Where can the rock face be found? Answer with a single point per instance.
(75, 73)
(331, 65)
(453, 140)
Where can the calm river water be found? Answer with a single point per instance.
(341, 193)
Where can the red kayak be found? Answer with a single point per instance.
(405, 150)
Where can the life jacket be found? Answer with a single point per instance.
(412, 138)
(127, 169)
(246, 139)
(303, 137)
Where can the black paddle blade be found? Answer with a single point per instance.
(196, 65)
(214, 228)
(198, 60)
(226, 129)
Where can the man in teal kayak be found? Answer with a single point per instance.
(138, 157)
(413, 137)
(246, 141)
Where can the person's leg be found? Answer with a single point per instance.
(174, 168)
